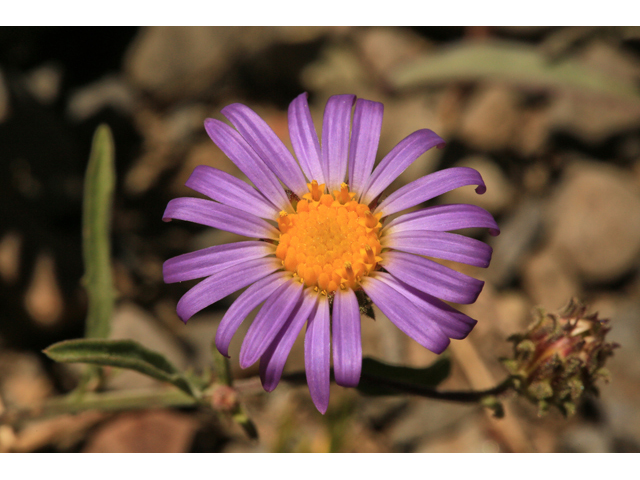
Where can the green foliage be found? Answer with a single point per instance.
(96, 225)
(121, 354)
(515, 63)
(378, 377)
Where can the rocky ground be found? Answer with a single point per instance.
(549, 116)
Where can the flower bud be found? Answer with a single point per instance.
(559, 358)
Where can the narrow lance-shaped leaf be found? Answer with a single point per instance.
(378, 377)
(122, 354)
(96, 228)
(516, 63)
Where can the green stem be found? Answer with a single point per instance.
(223, 369)
(115, 401)
(108, 401)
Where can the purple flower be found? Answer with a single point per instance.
(321, 240)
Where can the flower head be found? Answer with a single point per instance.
(323, 237)
(560, 357)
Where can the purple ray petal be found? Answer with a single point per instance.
(453, 323)
(245, 303)
(267, 144)
(212, 214)
(367, 123)
(335, 139)
(224, 283)
(304, 139)
(448, 246)
(273, 360)
(347, 343)
(430, 186)
(208, 261)
(397, 161)
(273, 314)
(247, 160)
(443, 218)
(405, 315)
(431, 277)
(317, 354)
(231, 191)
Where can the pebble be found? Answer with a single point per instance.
(43, 299)
(491, 119)
(594, 221)
(23, 381)
(175, 62)
(44, 83)
(519, 232)
(111, 91)
(585, 438)
(549, 282)
(153, 431)
(385, 50)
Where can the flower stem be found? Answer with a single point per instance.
(116, 401)
(461, 396)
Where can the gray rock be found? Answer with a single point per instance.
(110, 91)
(518, 234)
(584, 438)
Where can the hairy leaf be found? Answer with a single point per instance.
(122, 354)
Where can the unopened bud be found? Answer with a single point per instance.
(224, 398)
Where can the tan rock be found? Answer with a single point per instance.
(43, 298)
(23, 381)
(594, 221)
(491, 119)
(154, 431)
(385, 49)
(178, 62)
(548, 280)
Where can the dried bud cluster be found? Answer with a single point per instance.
(560, 357)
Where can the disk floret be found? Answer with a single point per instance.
(331, 241)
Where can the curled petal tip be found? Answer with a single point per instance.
(480, 189)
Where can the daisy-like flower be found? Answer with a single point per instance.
(322, 237)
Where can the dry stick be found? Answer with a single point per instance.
(477, 373)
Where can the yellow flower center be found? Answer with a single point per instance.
(331, 241)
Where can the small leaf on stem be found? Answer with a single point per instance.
(122, 354)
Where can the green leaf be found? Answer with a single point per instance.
(96, 225)
(122, 354)
(378, 378)
(511, 62)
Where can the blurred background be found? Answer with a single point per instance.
(549, 116)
